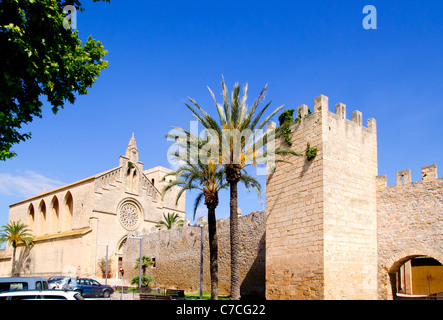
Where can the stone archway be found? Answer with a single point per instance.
(392, 265)
(119, 252)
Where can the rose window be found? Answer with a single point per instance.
(129, 216)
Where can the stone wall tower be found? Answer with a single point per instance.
(321, 232)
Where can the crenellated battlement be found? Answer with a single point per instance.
(321, 109)
(429, 173)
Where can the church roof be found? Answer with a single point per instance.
(45, 192)
(133, 155)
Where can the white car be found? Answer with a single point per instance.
(62, 283)
(40, 295)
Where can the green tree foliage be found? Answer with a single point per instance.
(146, 262)
(285, 119)
(146, 280)
(39, 57)
(311, 153)
(102, 266)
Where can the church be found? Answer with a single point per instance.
(73, 225)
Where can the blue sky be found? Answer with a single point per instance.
(164, 52)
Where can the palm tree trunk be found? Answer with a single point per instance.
(233, 232)
(13, 260)
(213, 252)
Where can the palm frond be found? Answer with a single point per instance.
(220, 110)
(170, 220)
(226, 104)
(15, 233)
(264, 122)
(197, 201)
(250, 182)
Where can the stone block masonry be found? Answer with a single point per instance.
(410, 223)
(332, 229)
(321, 214)
(177, 256)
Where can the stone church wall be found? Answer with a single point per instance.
(72, 224)
(177, 256)
(59, 222)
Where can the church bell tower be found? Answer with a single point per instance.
(132, 151)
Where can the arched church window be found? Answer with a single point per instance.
(128, 179)
(42, 218)
(134, 182)
(68, 212)
(54, 216)
(31, 218)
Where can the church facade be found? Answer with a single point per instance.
(73, 225)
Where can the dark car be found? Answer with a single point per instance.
(92, 288)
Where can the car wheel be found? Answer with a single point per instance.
(79, 292)
(106, 294)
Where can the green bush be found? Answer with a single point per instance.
(285, 119)
(145, 281)
(311, 153)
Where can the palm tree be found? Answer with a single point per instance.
(102, 265)
(146, 262)
(146, 280)
(209, 179)
(240, 131)
(16, 233)
(170, 221)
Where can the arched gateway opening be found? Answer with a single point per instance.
(120, 245)
(416, 275)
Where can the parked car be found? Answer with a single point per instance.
(22, 283)
(53, 280)
(92, 288)
(62, 283)
(40, 295)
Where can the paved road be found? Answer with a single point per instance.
(118, 296)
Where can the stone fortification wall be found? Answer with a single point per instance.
(294, 226)
(410, 223)
(321, 213)
(350, 216)
(177, 256)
